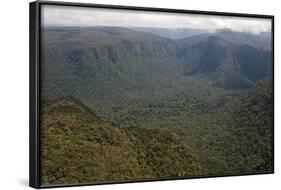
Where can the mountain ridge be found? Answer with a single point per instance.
(76, 146)
(155, 107)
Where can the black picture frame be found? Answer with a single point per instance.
(34, 98)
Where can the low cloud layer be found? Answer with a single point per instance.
(81, 16)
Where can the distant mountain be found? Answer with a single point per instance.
(229, 65)
(92, 62)
(95, 64)
(210, 89)
(172, 33)
(260, 41)
(77, 146)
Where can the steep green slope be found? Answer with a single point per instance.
(228, 65)
(79, 147)
(101, 57)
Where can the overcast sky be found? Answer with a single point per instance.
(83, 16)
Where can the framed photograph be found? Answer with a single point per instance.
(131, 94)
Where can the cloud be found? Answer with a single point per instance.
(53, 15)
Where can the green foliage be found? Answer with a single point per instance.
(120, 73)
(79, 147)
(195, 106)
(250, 120)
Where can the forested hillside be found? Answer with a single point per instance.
(137, 70)
(79, 147)
(251, 124)
(137, 105)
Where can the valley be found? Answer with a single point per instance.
(162, 107)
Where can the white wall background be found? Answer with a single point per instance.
(14, 36)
